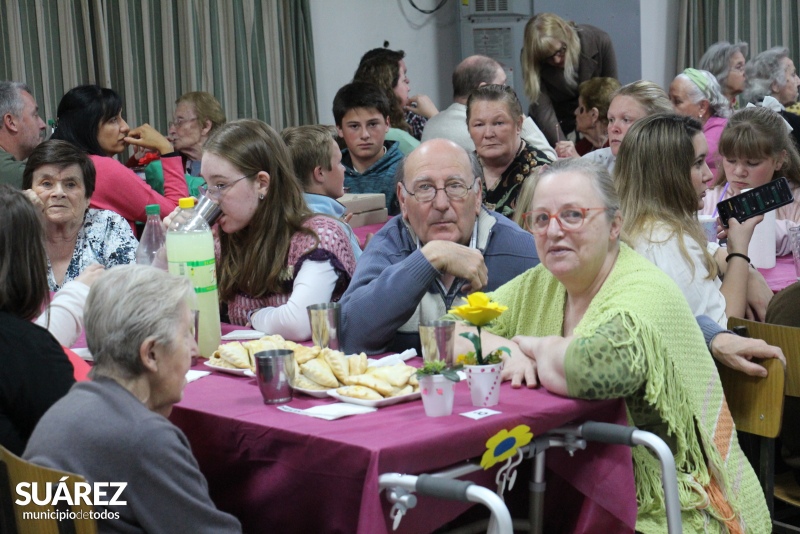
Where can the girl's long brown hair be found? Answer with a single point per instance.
(252, 260)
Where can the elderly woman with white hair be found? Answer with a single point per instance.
(140, 328)
(696, 93)
(726, 62)
(772, 82)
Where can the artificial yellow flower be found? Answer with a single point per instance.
(479, 310)
(504, 445)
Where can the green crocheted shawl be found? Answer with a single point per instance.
(682, 385)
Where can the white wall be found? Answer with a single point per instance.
(659, 40)
(344, 29)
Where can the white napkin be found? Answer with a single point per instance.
(243, 334)
(329, 412)
(192, 375)
(393, 359)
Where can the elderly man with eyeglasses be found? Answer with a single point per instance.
(444, 245)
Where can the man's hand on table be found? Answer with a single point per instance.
(458, 261)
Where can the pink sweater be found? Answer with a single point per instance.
(118, 188)
(785, 216)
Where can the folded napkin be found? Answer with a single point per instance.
(192, 375)
(392, 359)
(243, 334)
(329, 412)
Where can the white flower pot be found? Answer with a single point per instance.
(484, 383)
(437, 395)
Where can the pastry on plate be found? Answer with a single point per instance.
(357, 364)
(359, 392)
(320, 372)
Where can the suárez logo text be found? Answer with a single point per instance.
(91, 494)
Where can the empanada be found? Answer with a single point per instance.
(397, 392)
(320, 372)
(414, 381)
(396, 375)
(216, 361)
(302, 382)
(357, 364)
(338, 363)
(235, 354)
(359, 392)
(257, 345)
(382, 387)
(303, 354)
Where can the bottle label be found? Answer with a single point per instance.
(203, 274)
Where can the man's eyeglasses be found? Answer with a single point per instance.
(558, 53)
(738, 68)
(216, 191)
(569, 219)
(178, 122)
(426, 192)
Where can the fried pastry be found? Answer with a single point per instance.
(397, 392)
(235, 354)
(414, 381)
(359, 392)
(304, 354)
(357, 364)
(396, 375)
(300, 381)
(338, 363)
(320, 372)
(372, 382)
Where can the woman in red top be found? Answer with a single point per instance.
(90, 117)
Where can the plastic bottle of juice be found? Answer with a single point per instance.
(152, 240)
(190, 253)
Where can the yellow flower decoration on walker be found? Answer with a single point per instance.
(505, 444)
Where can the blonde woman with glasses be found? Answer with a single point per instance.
(558, 55)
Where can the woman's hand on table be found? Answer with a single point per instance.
(548, 353)
(148, 137)
(518, 369)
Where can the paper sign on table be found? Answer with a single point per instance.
(480, 414)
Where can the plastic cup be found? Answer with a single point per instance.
(794, 240)
(437, 339)
(325, 322)
(709, 224)
(273, 374)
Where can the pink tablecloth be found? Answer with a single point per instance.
(782, 275)
(362, 231)
(281, 472)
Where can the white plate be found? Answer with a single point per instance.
(318, 393)
(375, 403)
(237, 372)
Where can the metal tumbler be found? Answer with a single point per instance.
(325, 322)
(274, 369)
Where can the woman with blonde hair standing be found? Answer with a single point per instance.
(557, 56)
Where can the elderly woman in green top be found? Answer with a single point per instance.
(596, 320)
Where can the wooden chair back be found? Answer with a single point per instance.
(785, 337)
(13, 520)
